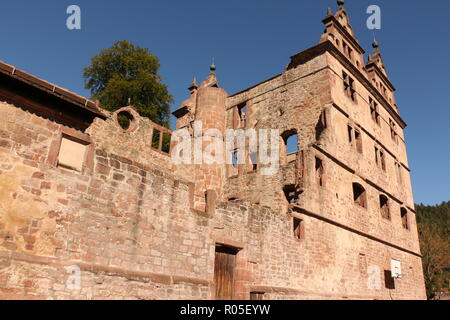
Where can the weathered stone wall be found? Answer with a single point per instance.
(130, 228)
(139, 226)
(123, 217)
(295, 101)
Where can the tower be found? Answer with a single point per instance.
(203, 114)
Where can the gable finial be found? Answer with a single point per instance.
(375, 43)
(341, 3)
(213, 66)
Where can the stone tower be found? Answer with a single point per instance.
(203, 114)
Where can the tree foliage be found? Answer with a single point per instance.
(126, 72)
(434, 233)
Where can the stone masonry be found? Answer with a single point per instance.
(78, 191)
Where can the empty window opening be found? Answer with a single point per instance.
(349, 86)
(299, 229)
(383, 160)
(166, 142)
(393, 130)
(384, 207)
(155, 138)
(350, 53)
(290, 139)
(321, 124)
(72, 153)
(404, 216)
(319, 172)
(389, 282)
(374, 111)
(235, 158)
(350, 134)
(291, 193)
(383, 90)
(124, 118)
(344, 47)
(359, 195)
(377, 161)
(347, 50)
(242, 114)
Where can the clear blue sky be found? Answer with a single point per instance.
(251, 40)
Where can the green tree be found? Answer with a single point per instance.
(433, 223)
(126, 72)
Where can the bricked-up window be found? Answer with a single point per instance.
(374, 111)
(349, 86)
(299, 229)
(358, 141)
(398, 169)
(319, 172)
(359, 195)
(404, 217)
(384, 207)
(362, 263)
(72, 153)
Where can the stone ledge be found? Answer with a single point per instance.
(133, 275)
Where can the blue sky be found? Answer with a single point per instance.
(251, 40)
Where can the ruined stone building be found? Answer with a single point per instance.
(94, 209)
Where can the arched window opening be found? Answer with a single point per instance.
(384, 207)
(404, 216)
(359, 195)
(289, 147)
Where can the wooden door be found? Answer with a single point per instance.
(224, 266)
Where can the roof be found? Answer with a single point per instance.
(51, 89)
